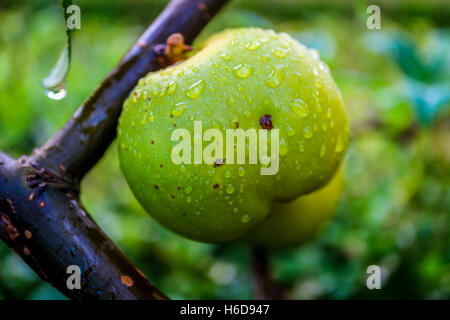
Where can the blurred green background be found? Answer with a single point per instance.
(395, 207)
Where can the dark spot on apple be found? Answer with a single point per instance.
(216, 186)
(219, 162)
(266, 122)
(156, 186)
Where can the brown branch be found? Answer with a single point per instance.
(41, 217)
(264, 286)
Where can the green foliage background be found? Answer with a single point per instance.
(396, 203)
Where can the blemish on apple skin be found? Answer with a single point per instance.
(216, 186)
(219, 162)
(156, 187)
(266, 122)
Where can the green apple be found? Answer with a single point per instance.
(246, 79)
(290, 224)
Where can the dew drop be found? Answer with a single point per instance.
(290, 131)
(195, 90)
(322, 151)
(264, 58)
(228, 174)
(241, 172)
(284, 147)
(253, 45)
(275, 78)
(231, 101)
(243, 71)
(188, 189)
(245, 219)
(189, 199)
(279, 52)
(225, 56)
(317, 101)
(229, 189)
(301, 147)
(307, 133)
(172, 87)
(179, 109)
(339, 145)
(150, 117)
(300, 108)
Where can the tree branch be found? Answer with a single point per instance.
(41, 217)
(264, 286)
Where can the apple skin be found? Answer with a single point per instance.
(293, 223)
(238, 77)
